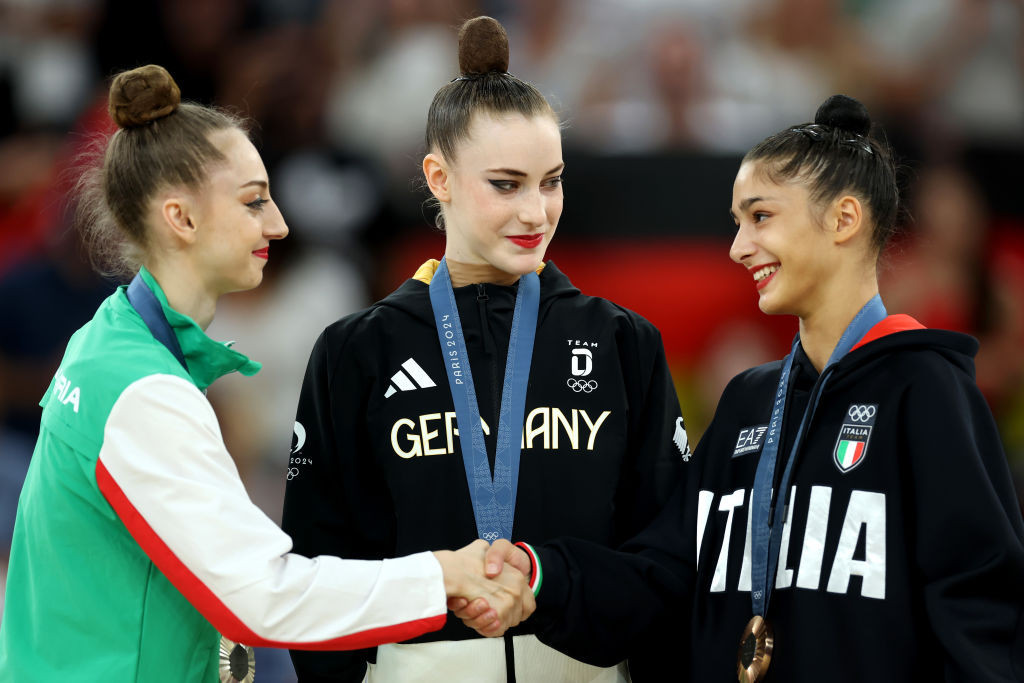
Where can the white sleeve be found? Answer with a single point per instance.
(165, 470)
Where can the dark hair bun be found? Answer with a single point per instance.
(844, 113)
(142, 95)
(483, 46)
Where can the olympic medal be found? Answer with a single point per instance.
(237, 662)
(755, 651)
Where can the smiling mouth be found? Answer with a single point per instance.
(527, 241)
(263, 253)
(764, 274)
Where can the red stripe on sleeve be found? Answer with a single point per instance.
(893, 323)
(215, 611)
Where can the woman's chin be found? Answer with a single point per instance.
(251, 281)
(522, 264)
(769, 305)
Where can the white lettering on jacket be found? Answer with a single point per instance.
(865, 515)
(546, 428)
(65, 393)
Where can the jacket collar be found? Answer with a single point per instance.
(425, 273)
(207, 359)
(412, 296)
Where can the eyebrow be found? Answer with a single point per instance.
(747, 203)
(260, 183)
(521, 174)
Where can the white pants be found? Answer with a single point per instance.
(482, 660)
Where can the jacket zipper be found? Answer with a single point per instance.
(492, 360)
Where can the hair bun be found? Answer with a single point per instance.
(844, 113)
(142, 95)
(483, 46)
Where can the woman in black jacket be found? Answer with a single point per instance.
(486, 396)
(849, 515)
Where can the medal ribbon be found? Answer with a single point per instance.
(142, 299)
(494, 500)
(766, 538)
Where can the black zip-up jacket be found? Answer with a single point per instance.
(903, 548)
(377, 470)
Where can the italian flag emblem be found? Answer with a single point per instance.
(851, 446)
(849, 453)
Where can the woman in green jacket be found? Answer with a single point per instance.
(135, 541)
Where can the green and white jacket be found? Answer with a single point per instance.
(135, 541)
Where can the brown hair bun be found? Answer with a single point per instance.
(483, 46)
(142, 95)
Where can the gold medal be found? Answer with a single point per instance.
(755, 653)
(237, 662)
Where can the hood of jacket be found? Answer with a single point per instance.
(893, 335)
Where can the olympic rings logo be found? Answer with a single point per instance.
(292, 473)
(491, 536)
(578, 385)
(861, 413)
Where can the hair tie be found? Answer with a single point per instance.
(474, 77)
(816, 132)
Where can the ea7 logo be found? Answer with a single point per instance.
(582, 362)
(749, 440)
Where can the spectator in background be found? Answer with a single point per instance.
(657, 99)
(947, 276)
(628, 78)
(47, 76)
(781, 59)
(375, 109)
(281, 77)
(947, 69)
(953, 272)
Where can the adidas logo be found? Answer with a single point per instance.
(419, 379)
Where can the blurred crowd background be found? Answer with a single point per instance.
(660, 99)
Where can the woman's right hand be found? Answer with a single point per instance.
(492, 605)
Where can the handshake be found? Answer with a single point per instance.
(488, 585)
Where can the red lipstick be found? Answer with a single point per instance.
(263, 253)
(528, 241)
(762, 283)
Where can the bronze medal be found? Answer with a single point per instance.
(755, 652)
(237, 662)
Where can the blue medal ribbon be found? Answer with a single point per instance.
(766, 537)
(494, 500)
(142, 299)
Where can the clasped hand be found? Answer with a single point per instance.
(487, 585)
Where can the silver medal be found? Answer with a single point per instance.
(237, 662)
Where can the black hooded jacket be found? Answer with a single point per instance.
(902, 555)
(376, 470)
